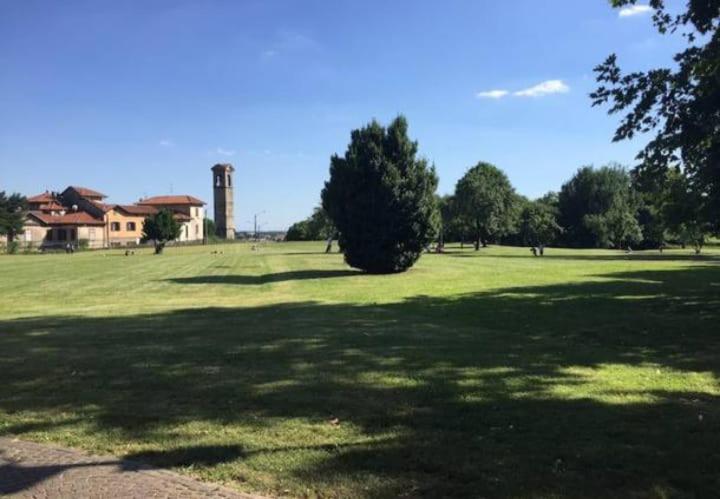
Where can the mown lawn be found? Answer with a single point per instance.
(282, 371)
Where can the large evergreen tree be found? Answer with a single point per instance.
(381, 198)
(486, 199)
(679, 104)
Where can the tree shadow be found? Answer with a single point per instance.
(18, 476)
(15, 478)
(257, 280)
(498, 394)
(196, 455)
(639, 256)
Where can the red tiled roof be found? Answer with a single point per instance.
(45, 197)
(88, 193)
(101, 206)
(76, 218)
(147, 210)
(52, 206)
(171, 200)
(132, 209)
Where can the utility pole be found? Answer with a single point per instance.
(255, 224)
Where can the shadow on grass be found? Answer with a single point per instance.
(639, 256)
(198, 455)
(249, 280)
(485, 394)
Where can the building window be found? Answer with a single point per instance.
(61, 235)
(197, 230)
(131, 227)
(115, 226)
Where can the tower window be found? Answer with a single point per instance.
(229, 180)
(218, 181)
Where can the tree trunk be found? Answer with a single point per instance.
(159, 247)
(477, 244)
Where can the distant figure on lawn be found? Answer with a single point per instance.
(538, 250)
(328, 248)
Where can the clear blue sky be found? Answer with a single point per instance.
(142, 97)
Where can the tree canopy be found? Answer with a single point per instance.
(381, 198)
(317, 226)
(485, 198)
(161, 228)
(538, 224)
(13, 209)
(679, 105)
(598, 208)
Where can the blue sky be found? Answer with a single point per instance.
(141, 98)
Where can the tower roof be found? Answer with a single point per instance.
(223, 167)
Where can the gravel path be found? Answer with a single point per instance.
(31, 470)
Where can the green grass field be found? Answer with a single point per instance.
(282, 371)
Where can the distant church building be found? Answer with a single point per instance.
(223, 194)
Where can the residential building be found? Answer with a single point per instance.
(188, 210)
(80, 216)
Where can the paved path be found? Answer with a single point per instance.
(30, 470)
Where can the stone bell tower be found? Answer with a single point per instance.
(223, 195)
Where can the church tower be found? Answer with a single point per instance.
(223, 194)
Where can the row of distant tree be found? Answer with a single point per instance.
(605, 207)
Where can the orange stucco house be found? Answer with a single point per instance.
(79, 215)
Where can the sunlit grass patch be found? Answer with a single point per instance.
(282, 371)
